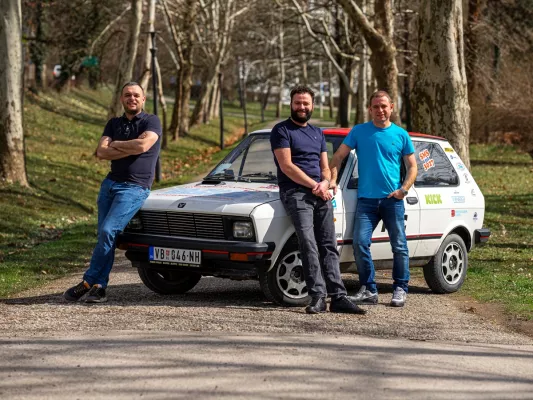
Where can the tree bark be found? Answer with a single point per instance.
(440, 94)
(12, 157)
(125, 70)
(381, 43)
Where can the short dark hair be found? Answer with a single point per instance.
(379, 93)
(301, 89)
(131, 84)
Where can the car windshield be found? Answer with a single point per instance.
(252, 160)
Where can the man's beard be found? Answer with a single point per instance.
(302, 120)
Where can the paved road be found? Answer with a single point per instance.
(222, 340)
(169, 365)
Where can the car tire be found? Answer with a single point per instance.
(284, 284)
(446, 271)
(168, 282)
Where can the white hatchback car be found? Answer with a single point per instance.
(233, 225)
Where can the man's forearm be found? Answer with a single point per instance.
(129, 147)
(110, 153)
(410, 178)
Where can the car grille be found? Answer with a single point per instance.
(204, 226)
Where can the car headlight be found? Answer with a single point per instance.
(135, 224)
(243, 230)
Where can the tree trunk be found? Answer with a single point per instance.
(200, 108)
(12, 157)
(281, 70)
(331, 104)
(125, 70)
(440, 95)
(381, 43)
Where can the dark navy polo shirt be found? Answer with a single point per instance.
(140, 168)
(307, 143)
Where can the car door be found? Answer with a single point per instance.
(380, 249)
(441, 195)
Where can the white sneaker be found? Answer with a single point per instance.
(398, 297)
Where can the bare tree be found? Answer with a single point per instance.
(440, 95)
(216, 22)
(380, 40)
(12, 161)
(127, 60)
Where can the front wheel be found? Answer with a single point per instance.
(446, 271)
(285, 284)
(168, 282)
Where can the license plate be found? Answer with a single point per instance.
(175, 256)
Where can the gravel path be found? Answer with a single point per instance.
(220, 305)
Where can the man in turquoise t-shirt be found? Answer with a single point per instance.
(380, 146)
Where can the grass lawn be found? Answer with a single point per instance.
(502, 271)
(61, 133)
(49, 229)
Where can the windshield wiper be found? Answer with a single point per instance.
(221, 176)
(262, 175)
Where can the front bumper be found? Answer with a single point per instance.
(233, 259)
(481, 236)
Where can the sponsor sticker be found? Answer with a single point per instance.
(467, 178)
(458, 199)
(433, 199)
(459, 213)
(334, 203)
(475, 216)
(460, 167)
(426, 159)
(449, 150)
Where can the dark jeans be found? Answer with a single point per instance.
(313, 220)
(367, 216)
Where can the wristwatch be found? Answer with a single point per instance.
(404, 191)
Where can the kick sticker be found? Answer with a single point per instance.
(433, 199)
(426, 160)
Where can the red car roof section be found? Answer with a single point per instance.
(345, 131)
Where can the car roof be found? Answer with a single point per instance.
(345, 131)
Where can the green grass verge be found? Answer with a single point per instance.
(61, 133)
(502, 271)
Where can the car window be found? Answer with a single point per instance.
(253, 160)
(434, 167)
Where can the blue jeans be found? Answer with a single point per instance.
(367, 216)
(313, 221)
(117, 204)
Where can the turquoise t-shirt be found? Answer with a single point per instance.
(379, 157)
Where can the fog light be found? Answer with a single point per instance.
(242, 230)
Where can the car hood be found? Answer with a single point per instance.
(237, 198)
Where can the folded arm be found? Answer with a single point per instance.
(114, 150)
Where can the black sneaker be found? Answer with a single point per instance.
(77, 292)
(343, 305)
(96, 295)
(364, 296)
(318, 305)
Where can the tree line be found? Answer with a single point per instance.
(454, 68)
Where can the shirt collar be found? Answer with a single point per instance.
(138, 116)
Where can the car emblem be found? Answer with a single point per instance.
(181, 205)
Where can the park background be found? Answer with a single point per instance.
(458, 69)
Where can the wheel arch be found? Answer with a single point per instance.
(464, 233)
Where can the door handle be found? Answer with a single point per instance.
(412, 200)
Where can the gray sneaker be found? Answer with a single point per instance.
(364, 296)
(398, 297)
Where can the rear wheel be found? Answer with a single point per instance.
(168, 282)
(446, 271)
(285, 284)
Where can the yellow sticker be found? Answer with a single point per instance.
(449, 150)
